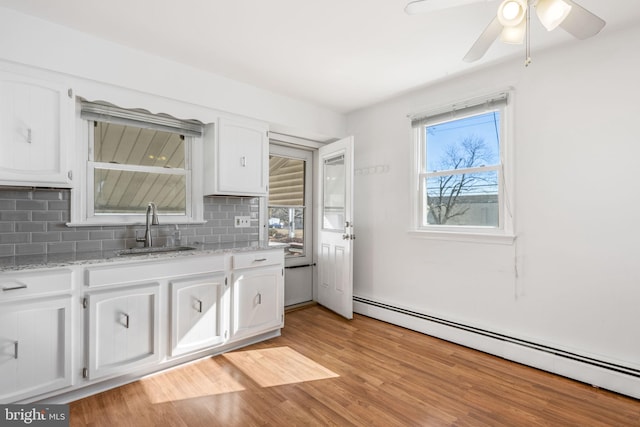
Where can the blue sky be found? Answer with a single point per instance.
(440, 136)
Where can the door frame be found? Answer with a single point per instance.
(303, 265)
(308, 156)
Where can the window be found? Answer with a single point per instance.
(289, 179)
(461, 184)
(133, 158)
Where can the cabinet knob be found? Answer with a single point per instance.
(29, 135)
(243, 161)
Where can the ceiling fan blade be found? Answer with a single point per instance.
(581, 23)
(484, 42)
(425, 6)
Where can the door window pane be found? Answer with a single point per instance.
(286, 203)
(334, 197)
(286, 225)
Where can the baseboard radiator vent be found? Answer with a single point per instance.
(414, 320)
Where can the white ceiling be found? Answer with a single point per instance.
(340, 54)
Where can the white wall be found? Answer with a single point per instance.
(577, 206)
(35, 42)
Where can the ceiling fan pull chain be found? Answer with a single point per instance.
(527, 36)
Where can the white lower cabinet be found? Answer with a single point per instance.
(35, 347)
(199, 313)
(123, 330)
(135, 317)
(257, 294)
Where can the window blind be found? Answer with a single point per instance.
(454, 111)
(139, 118)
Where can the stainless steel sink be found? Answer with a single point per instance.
(152, 250)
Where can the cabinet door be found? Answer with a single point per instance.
(35, 345)
(123, 330)
(241, 158)
(35, 122)
(198, 313)
(258, 304)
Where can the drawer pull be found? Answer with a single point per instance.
(259, 298)
(259, 259)
(15, 350)
(199, 308)
(126, 321)
(14, 288)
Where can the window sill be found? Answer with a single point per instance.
(465, 236)
(126, 223)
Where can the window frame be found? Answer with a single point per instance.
(504, 232)
(82, 195)
(298, 153)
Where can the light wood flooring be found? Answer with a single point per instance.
(327, 371)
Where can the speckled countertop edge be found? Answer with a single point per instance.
(60, 260)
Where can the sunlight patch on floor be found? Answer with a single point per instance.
(277, 366)
(204, 378)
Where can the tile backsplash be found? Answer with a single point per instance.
(33, 221)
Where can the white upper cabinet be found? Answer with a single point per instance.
(236, 158)
(35, 131)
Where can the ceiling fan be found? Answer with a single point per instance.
(511, 22)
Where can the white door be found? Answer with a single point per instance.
(335, 227)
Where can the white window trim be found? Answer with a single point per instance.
(304, 154)
(82, 214)
(504, 233)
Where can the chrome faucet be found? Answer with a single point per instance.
(152, 219)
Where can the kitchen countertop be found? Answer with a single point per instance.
(58, 260)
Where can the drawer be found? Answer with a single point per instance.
(34, 284)
(112, 274)
(257, 259)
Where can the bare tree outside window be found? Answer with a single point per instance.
(463, 172)
(451, 196)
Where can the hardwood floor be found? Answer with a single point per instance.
(326, 371)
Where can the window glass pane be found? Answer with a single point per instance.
(124, 192)
(115, 143)
(462, 199)
(334, 197)
(286, 181)
(464, 143)
(286, 225)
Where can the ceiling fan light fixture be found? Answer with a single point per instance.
(515, 34)
(512, 12)
(552, 12)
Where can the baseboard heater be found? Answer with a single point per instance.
(555, 351)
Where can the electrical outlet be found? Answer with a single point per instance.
(242, 221)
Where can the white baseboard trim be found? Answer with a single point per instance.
(590, 371)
